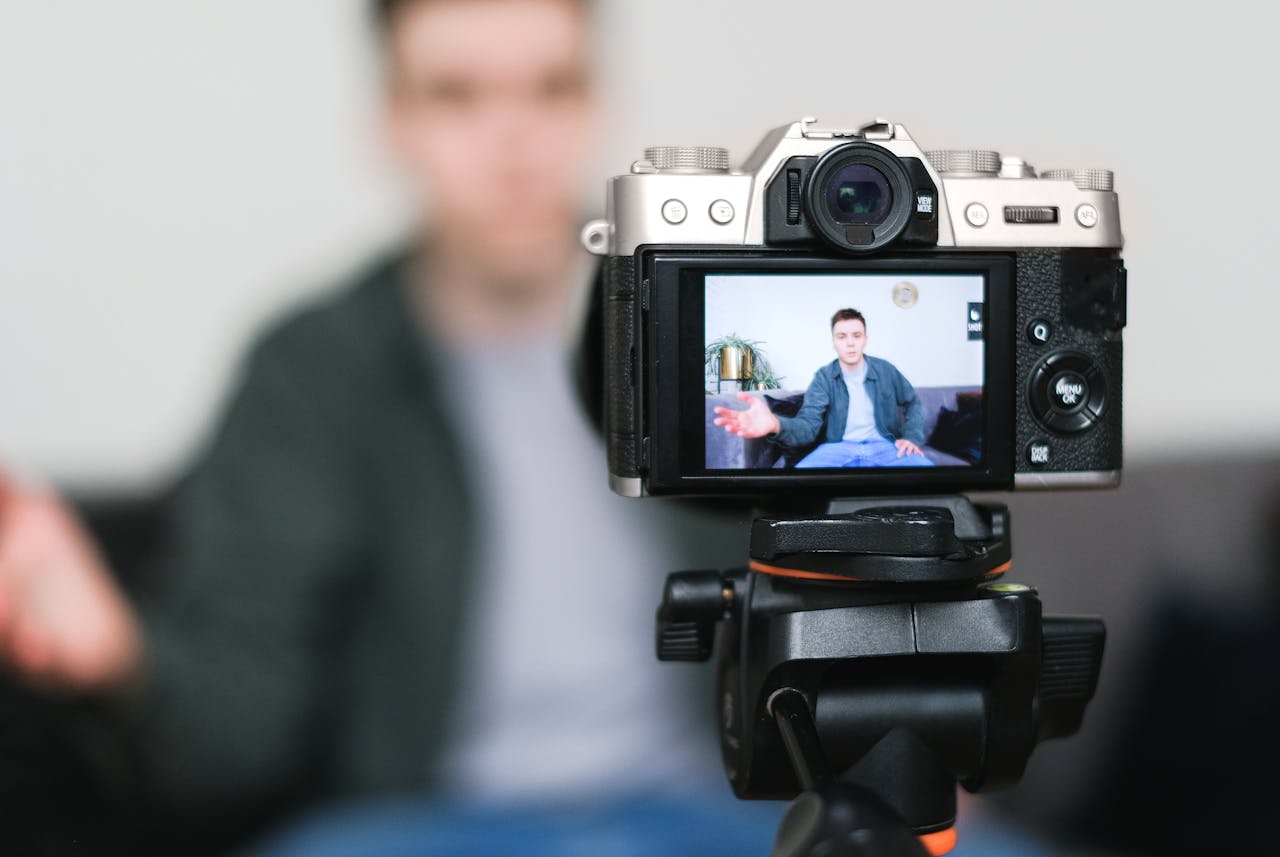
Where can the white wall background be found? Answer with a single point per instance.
(791, 318)
(172, 173)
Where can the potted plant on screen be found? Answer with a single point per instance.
(733, 358)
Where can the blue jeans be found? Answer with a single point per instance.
(640, 828)
(863, 453)
(717, 827)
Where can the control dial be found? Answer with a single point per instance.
(1102, 180)
(970, 162)
(688, 158)
(1067, 392)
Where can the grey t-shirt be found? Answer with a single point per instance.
(562, 697)
(861, 423)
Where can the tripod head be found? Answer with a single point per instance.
(872, 658)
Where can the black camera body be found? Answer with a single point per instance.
(989, 301)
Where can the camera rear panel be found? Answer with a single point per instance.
(1052, 383)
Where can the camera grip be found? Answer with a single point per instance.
(622, 406)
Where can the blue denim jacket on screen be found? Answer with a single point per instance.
(898, 412)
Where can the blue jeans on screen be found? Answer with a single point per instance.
(879, 452)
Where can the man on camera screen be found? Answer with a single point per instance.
(872, 414)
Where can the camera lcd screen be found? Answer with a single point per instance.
(812, 373)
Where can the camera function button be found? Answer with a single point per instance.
(1067, 393)
(1039, 453)
(721, 211)
(1087, 216)
(674, 212)
(977, 215)
(1040, 331)
(1097, 395)
(926, 204)
(1013, 167)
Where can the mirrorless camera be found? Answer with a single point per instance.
(847, 314)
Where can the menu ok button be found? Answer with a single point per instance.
(1067, 392)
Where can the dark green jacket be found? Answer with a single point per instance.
(898, 412)
(308, 645)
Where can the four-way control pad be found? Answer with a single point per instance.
(1067, 392)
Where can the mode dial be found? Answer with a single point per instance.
(972, 162)
(1103, 180)
(688, 158)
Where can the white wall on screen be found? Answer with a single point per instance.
(791, 317)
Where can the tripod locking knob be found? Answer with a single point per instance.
(692, 603)
(1072, 659)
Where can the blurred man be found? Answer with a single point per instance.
(872, 415)
(398, 568)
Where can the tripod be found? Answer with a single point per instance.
(870, 660)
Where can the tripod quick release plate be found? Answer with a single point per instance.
(914, 540)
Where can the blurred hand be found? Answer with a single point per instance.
(756, 421)
(906, 447)
(64, 624)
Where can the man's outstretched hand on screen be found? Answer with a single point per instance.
(756, 421)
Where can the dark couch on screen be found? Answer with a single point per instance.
(952, 429)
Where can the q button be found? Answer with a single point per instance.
(1040, 331)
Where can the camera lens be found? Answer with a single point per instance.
(858, 197)
(859, 193)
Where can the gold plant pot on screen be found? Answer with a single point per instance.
(736, 364)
